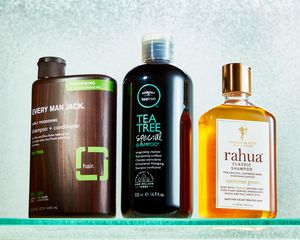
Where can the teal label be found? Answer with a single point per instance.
(148, 96)
(90, 84)
(149, 131)
(149, 134)
(80, 165)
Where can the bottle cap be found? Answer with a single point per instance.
(236, 79)
(158, 47)
(51, 67)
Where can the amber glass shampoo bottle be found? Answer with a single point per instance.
(237, 153)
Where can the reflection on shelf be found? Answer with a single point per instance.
(150, 221)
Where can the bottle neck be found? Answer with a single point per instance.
(157, 61)
(240, 99)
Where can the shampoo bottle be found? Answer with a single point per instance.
(237, 158)
(73, 143)
(157, 135)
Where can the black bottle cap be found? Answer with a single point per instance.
(51, 67)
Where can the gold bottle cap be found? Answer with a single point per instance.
(236, 79)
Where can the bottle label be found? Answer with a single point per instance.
(90, 84)
(243, 165)
(72, 147)
(148, 154)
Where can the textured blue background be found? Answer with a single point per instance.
(105, 37)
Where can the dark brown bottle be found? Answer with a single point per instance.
(73, 143)
(157, 135)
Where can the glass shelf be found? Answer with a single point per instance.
(150, 228)
(151, 221)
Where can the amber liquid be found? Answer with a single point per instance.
(235, 110)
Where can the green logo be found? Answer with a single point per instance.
(90, 84)
(91, 177)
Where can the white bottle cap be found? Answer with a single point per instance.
(158, 47)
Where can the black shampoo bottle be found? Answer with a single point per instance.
(157, 135)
